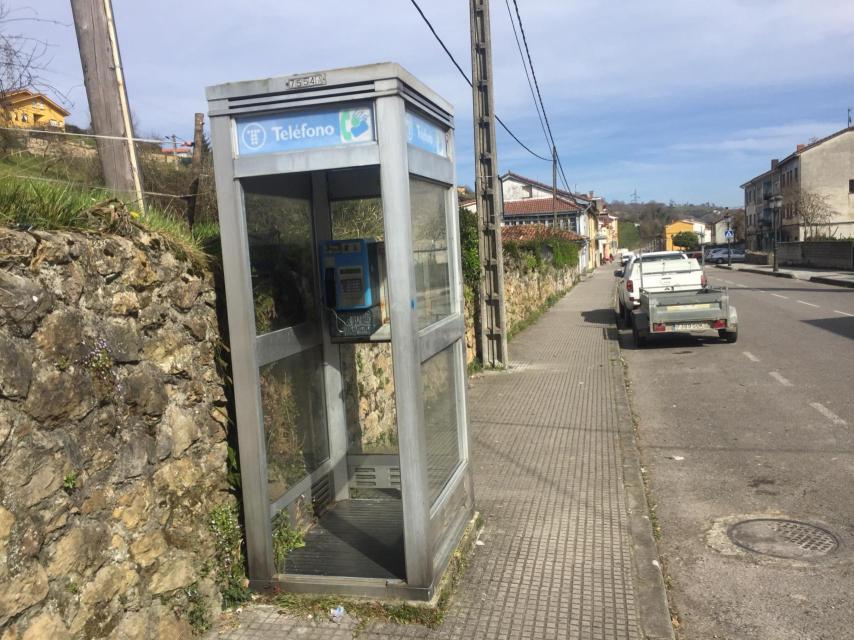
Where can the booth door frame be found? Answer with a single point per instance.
(411, 347)
(248, 350)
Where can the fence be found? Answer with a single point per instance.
(70, 160)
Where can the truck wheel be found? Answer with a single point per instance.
(621, 313)
(640, 339)
(728, 336)
(627, 317)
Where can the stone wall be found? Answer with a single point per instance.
(830, 254)
(369, 397)
(758, 257)
(112, 438)
(526, 290)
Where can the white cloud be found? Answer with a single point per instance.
(602, 66)
(777, 139)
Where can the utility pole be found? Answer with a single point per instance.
(174, 140)
(105, 90)
(554, 187)
(195, 168)
(490, 326)
(850, 110)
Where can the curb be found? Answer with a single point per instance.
(650, 592)
(785, 274)
(779, 274)
(837, 283)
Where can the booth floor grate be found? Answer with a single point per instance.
(356, 539)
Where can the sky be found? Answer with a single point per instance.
(678, 100)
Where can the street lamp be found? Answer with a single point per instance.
(775, 209)
(728, 237)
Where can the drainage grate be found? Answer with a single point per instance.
(783, 538)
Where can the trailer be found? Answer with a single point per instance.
(662, 312)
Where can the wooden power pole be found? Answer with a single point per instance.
(196, 168)
(105, 89)
(491, 327)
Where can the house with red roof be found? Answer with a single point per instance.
(527, 201)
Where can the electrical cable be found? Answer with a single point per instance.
(539, 95)
(527, 75)
(466, 78)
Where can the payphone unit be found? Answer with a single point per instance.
(352, 287)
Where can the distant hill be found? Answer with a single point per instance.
(652, 216)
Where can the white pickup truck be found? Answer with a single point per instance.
(657, 271)
(667, 292)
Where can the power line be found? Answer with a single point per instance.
(466, 78)
(539, 95)
(527, 75)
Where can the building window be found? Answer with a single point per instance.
(851, 186)
(24, 117)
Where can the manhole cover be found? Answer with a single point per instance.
(783, 538)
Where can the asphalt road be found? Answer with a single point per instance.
(763, 428)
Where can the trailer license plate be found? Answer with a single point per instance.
(690, 326)
(691, 307)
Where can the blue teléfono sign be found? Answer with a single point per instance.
(304, 130)
(425, 135)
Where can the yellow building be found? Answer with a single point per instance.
(678, 226)
(29, 110)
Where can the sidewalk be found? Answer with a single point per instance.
(568, 551)
(824, 276)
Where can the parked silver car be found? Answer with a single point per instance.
(720, 256)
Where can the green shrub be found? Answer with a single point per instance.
(285, 539)
(469, 249)
(228, 566)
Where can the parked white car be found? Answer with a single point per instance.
(654, 272)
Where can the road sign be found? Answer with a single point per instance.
(729, 234)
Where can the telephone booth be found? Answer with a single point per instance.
(341, 253)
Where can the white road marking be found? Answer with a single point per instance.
(780, 379)
(827, 413)
(850, 315)
(750, 356)
(777, 295)
(741, 286)
(809, 304)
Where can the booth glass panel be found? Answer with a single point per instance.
(367, 369)
(430, 250)
(440, 419)
(281, 250)
(295, 434)
(357, 218)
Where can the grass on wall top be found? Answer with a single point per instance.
(36, 204)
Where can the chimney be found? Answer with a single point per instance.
(801, 147)
(590, 194)
(774, 164)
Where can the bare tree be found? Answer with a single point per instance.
(813, 209)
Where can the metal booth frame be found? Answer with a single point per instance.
(431, 529)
